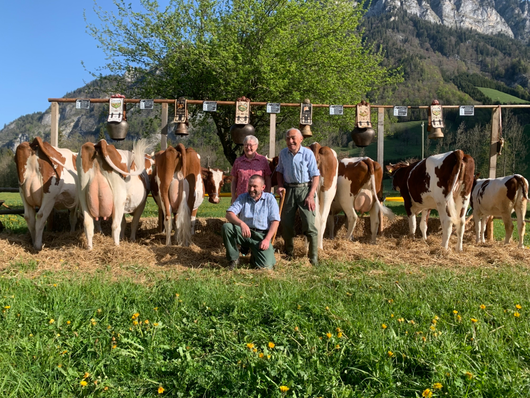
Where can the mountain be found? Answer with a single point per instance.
(491, 17)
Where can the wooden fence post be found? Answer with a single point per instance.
(54, 133)
(163, 136)
(272, 135)
(495, 135)
(381, 150)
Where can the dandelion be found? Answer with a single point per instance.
(83, 383)
(427, 393)
(160, 390)
(518, 306)
(261, 355)
(327, 308)
(60, 365)
(432, 327)
(114, 346)
(458, 318)
(516, 314)
(271, 344)
(155, 324)
(473, 320)
(146, 321)
(268, 357)
(384, 326)
(329, 335)
(437, 386)
(255, 350)
(7, 307)
(482, 307)
(296, 329)
(156, 308)
(455, 312)
(284, 389)
(401, 320)
(469, 375)
(51, 321)
(390, 353)
(250, 345)
(424, 338)
(337, 346)
(85, 376)
(135, 323)
(338, 330)
(136, 315)
(339, 335)
(68, 322)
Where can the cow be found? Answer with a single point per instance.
(499, 197)
(214, 179)
(47, 178)
(359, 189)
(109, 186)
(442, 182)
(328, 166)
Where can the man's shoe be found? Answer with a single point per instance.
(233, 265)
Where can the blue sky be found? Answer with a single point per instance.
(42, 46)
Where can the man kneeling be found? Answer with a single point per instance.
(253, 220)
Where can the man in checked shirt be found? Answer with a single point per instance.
(253, 220)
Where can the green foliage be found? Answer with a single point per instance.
(500, 97)
(264, 49)
(343, 330)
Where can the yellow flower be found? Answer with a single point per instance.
(52, 321)
(177, 295)
(114, 346)
(250, 345)
(160, 390)
(296, 329)
(329, 335)
(7, 307)
(469, 375)
(327, 308)
(135, 315)
(83, 383)
(156, 308)
(437, 386)
(338, 330)
(85, 376)
(482, 307)
(384, 326)
(271, 344)
(339, 335)
(68, 322)
(146, 321)
(427, 393)
(455, 312)
(135, 323)
(516, 314)
(390, 354)
(432, 327)
(255, 350)
(473, 320)
(400, 320)
(458, 318)
(518, 306)
(155, 324)
(337, 346)
(261, 355)
(284, 388)
(391, 315)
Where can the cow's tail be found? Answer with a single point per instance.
(522, 188)
(139, 151)
(382, 208)
(458, 180)
(183, 227)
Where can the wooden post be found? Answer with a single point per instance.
(54, 134)
(495, 135)
(380, 151)
(272, 135)
(163, 136)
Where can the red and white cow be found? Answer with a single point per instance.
(359, 189)
(499, 197)
(110, 186)
(442, 182)
(214, 179)
(47, 179)
(328, 165)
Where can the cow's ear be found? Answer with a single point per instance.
(390, 168)
(204, 173)
(227, 179)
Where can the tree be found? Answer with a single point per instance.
(266, 50)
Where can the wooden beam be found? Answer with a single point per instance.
(163, 137)
(272, 135)
(54, 134)
(494, 139)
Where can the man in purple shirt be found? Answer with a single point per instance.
(298, 177)
(253, 220)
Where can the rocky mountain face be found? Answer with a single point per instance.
(491, 17)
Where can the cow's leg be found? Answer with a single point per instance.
(88, 225)
(412, 224)
(374, 221)
(352, 218)
(331, 225)
(508, 227)
(479, 233)
(40, 221)
(446, 229)
(29, 216)
(193, 220)
(123, 226)
(520, 211)
(72, 216)
(117, 219)
(460, 227)
(423, 223)
(136, 220)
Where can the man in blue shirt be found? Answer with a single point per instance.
(253, 220)
(298, 177)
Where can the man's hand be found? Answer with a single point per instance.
(281, 191)
(310, 202)
(245, 230)
(264, 244)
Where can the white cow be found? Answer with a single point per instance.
(109, 186)
(47, 179)
(500, 197)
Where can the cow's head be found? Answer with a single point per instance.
(394, 170)
(214, 180)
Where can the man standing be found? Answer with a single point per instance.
(298, 176)
(253, 220)
(245, 166)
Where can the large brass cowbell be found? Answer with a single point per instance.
(181, 116)
(306, 118)
(435, 123)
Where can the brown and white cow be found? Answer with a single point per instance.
(47, 179)
(499, 197)
(443, 182)
(328, 165)
(359, 189)
(109, 186)
(214, 179)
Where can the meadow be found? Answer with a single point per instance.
(363, 328)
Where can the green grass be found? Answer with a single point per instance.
(359, 329)
(503, 98)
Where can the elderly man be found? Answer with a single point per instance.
(245, 166)
(253, 220)
(298, 177)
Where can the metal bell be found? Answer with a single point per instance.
(182, 129)
(306, 131)
(362, 137)
(436, 134)
(240, 131)
(118, 130)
